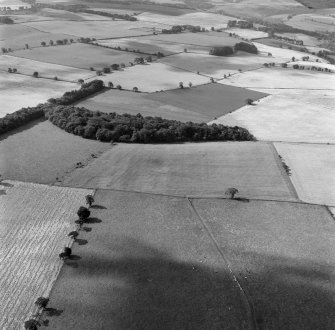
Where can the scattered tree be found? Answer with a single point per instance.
(89, 200)
(181, 85)
(118, 87)
(190, 84)
(80, 81)
(250, 101)
(83, 213)
(26, 46)
(31, 324)
(106, 70)
(135, 89)
(35, 74)
(110, 84)
(42, 302)
(43, 43)
(148, 59)
(231, 192)
(51, 43)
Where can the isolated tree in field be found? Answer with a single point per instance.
(250, 101)
(43, 43)
(10, 70)
(212, 79)
(185, 50)
(35, 74)
(110, 84)
(67, 251)
(83, 213)
(181, 85)
(89, 200)
(80, 81)
(27, 46)
(4, 50)
(231, 192)
(135, 89)
(122, 65)
(73, 234)
(42, 302)
(71, 40)
(119, 87)
(293, 59)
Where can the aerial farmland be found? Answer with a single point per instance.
(167, 164)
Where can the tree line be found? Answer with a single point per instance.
(128, 128)
(230, 50)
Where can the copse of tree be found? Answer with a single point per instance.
(6, 20)
(109, 127)
(75, 95)
(221, 51)
(246, 47)
(125, 17)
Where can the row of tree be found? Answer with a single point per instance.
(125, 17)
(138, 129)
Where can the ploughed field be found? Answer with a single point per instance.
(34, 223)
(192, 169)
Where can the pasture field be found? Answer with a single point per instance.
(196, 169)
(96, 29)
(315, 4)
(78, 55)
(215, 66)
(247, 33)
(313, 171)
(41, 152)
(15, 36)
(148, 264)
(283, 255)
(205, 20)
(312, 22)
(18, 91)
(292, 116)
(278, 78)
(35, 220)
(45, 70)
(197, 104)
(153, 77)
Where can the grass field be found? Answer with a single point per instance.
(294, 116)
(19, 91)
(197, 104)
(196, 169)
(54, 152)
(313, 171)
(148, 265)
(45, 70)
(312, 22)
(153, 77)
(78, 55)
(283, 78)
(95, 29)
(283, 255)
(35, 220)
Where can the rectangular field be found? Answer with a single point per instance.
(196, 169)
(313, 171)
(148, 265)
(34, 223)
(78, 55)
(282, 254)
(41, 152)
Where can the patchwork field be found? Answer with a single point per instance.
(313, 171)
(197, 104)
(54, 152)
(45, 70)
(312, 22)
(19, 91)
(148, 264)
(283, 78)
(78, 55)
(196, 169)
(96, 29)
(35, 220)
(283, 255)
(294, 116)
(148, 77)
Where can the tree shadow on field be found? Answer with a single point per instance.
(242, 199)
(144, 288)
(98, 207)
(74, 257)
(87, 229)
(81, 241)
(49, 311)
(92, 220)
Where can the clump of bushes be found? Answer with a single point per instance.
(228, 50)
(138, 129)
(75, 95)
(221, 51)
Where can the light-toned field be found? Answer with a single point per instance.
(78, 55)
(206, 20)
(216, 66)
(35, 220)
(283, 78)
(196, 104)
(196, 169)
(41, 152)
(313, 171)
(153, 77)
(149, 264)
(18, 91)
(45, 70)
(247, 33)
(283, 255)
(293, 116)
(312, 22)
(96, 29)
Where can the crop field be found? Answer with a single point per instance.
(283, 256)
(96, 29)
(148, 77)
(35, 220)
(18, 91)
(313, 171)
(293, 116)
(197, 169)
(45, 70)
(247, 33)
(16, 36)
(312, 22)
(149, 264)
(283, 78)
(54, 154)
(215, 66)
(78, 55)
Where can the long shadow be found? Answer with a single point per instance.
(80, 241)
(98, 207)
(52, 311)
(144, 288)
(242, 199)
(74, 257)
(93, 220)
